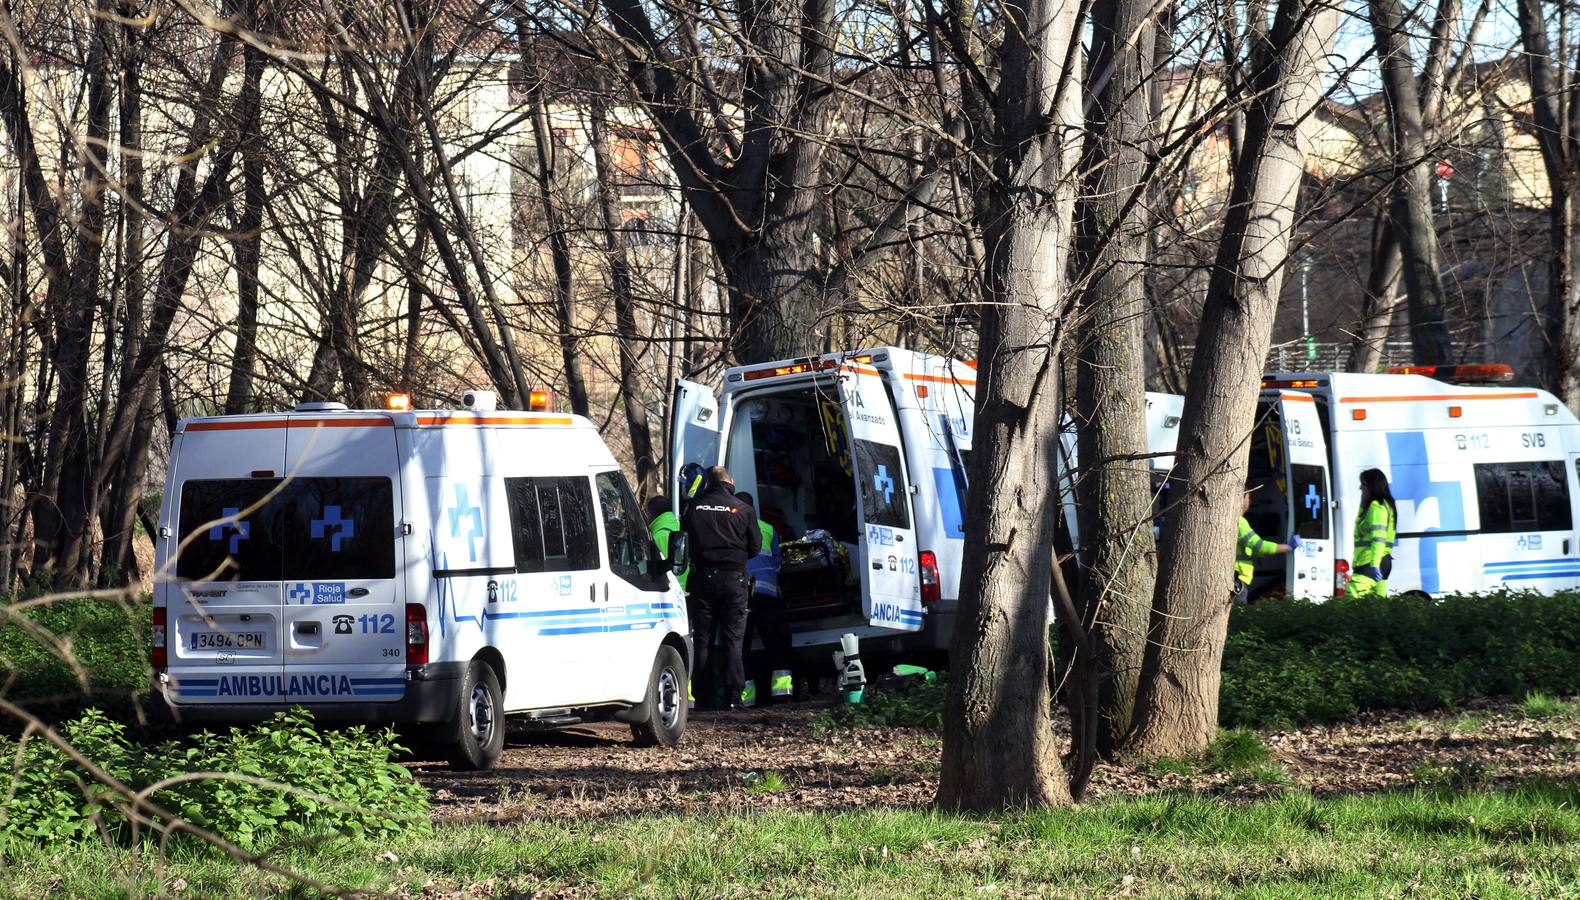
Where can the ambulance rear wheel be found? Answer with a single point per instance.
(477, 732)
(666, 702)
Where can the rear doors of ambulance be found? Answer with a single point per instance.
(891, 588)
(1307, 488)
(343, 611)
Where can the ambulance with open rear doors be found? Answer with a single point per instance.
(1486, 478)
(442, 568)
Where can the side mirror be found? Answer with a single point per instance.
(679, 553)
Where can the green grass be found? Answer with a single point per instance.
(1234, 750)
(101, 642)
(1505, 844)
(1539, 705)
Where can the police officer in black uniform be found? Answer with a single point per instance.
(721, 531)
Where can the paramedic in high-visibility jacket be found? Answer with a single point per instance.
(722, 534)
(661, 523)
(1248, 547)
(765, 616)
(1375, 534)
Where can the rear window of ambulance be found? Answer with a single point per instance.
(301, 529)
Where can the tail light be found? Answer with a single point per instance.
(932, 587)
(159, 653)
(1341, 576)
(416, 635)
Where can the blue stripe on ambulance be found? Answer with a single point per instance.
(360, 687)
(1411, 480)
(1528, 570)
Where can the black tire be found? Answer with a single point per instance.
(665, 702)
(477, 731)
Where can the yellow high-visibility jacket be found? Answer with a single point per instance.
(1250, 546)
(1374, 539)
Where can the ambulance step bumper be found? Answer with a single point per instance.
(430, 697)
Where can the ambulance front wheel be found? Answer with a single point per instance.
(665, 721)
(477, 730)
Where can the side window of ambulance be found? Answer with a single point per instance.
(1517, 497)
(551, 524)
(625, 535)
(339, 529)
(883, 491)
(1309, 503)
(229, 530)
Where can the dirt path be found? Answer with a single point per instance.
(592, 771)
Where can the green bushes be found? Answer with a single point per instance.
(107, 639)
(344, 782)
(1292, 662)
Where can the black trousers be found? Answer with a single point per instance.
(765, 618)
(716, 603)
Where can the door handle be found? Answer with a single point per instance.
(592, 593)
(306, 627)
(606, 592)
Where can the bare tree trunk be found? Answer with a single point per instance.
(999, 750)
(1381, 298)
(247, 247)
(1431, 342)
(1558, 137)
(620, 290)
(560, 255)
(1177, 704)
(1114, 489)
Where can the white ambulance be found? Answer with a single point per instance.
(445, 568)
(1486, 479)
(866, 452)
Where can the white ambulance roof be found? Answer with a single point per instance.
(421, 418)
(1415, 401)
(911, 364)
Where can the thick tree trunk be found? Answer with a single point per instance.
(67, 508)
(1177, 704)
(1430, 340)
(1558, 137)
(1561, 316)
(999, 749)
(624, 300)
(1381, 298)
(1114, 488)
(247, 247)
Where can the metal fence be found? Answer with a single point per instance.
(1324, 356)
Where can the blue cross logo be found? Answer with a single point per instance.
(240, 529)
(1413, 484)
(343, 527)
(1313, 500)
(881, 481)
(461, 510)
(301, 592)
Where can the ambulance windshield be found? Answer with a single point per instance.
(301, 529)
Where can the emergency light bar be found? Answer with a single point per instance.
(1295, 383)
(810, 365)
(397, 401)
(1487, 373)
(539, 401)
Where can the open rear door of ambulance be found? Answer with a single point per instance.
(695, 429)
(891, 593)
(1308, 487)
(223, 595)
